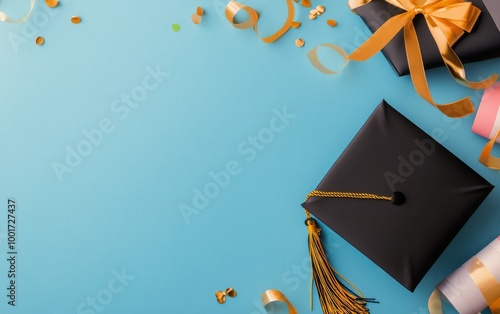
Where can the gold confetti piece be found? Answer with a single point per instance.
(312, 16)
(196, 18)
(76, 19)
(299, 42)
(314, 11)
(331, 23)
(220, 296)
(296, 24)
(40, 40)
(52, 3)
(306, 3)
(199, 11)
(320, 9)
(230, 292)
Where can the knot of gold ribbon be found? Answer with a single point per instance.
(447, 21)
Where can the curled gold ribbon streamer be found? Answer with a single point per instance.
(486, 158)
(5, 18)
(435, 304)
(447, 21)
(313, 58)
(233, 7)
(271, 296)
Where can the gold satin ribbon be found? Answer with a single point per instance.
(447, 21)
(486, 158)
(271, 296)
(5, 18)
(233, 7)
(486, 282)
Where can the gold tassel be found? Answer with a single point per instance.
(334, 297)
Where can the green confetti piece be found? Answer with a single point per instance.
(176, 27)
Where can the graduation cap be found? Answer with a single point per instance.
(396, 195)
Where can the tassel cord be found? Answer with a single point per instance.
(335, 297)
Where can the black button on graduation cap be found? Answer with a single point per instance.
(398, 198)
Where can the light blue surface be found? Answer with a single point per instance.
(112, 229)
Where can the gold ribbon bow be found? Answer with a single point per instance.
(447, 21)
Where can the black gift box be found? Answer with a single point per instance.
(493, 7)
(481, 44)
(391, 154)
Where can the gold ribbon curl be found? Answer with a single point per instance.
(313, 58)
(5, 18)
(486, 158)
(447, 21)
(271, 296)
(233, 7)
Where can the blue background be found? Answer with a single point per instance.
(112, 229)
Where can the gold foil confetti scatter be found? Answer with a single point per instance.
(331, 23)
(196, 17)
(52, 3)
(299, 42)
(40, 40)
(316, 12)
(75, 19)
(221, 295)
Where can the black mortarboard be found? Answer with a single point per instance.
(431, 195)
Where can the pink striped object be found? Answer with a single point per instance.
(487, 121)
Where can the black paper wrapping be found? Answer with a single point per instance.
(481, 44)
